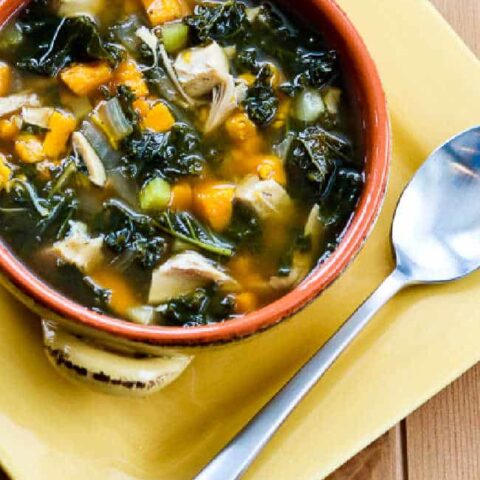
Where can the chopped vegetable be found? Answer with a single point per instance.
(174, 36)
(37, 116)
(202, 307)
(109, 116)
(96, 170)
(162, 11)
(173, 154)
(155, 195)
(83, 79)
(128, 73)
(9, 129)
(29, 148)
(331, 98)
(121, 296)
(159, 118)
(223, 21)
(54, 43)
(261, 102)
(213, 202)
(185, 227)
(16, 102)
(60, 125)
(240, 128)
(5, 172)
(309, 106)
(182, 197)
(245, 302)
(5, 79)
(271, 168)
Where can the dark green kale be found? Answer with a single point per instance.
(339, 201)
(312, 159)
(51, 43)
(261, 102)
(132, 240)
(186, 227)
(316, 70)
(218, 21)
(204, 306)
(301, 243)
(245, 229)
(180, 225)
(169, 155)
(246, 61)
(126, 98)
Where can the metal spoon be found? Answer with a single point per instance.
(436, 238)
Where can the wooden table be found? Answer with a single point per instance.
(441, 441)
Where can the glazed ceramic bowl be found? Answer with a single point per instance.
(104, 350)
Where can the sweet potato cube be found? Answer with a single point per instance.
(9, 129)
(5, 79)
(213, 202)
(162, 11)
(128, 74)
(84, 78)
(182, 197)
(159, 118)
(61, 126)
(29, 148)
(5, 172)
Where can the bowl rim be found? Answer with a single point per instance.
(376, 128)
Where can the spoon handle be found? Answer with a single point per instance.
(235, 458)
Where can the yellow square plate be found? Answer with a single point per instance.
(423, 340)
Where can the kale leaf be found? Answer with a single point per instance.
(187, 228)
(245, 229)
(180, 225)
(132, 240)
(313, 69)
(340, 200)
(218, 21)
(169, 155)
(309, 163)
(52, 43)
(204, 306)
(261, 102)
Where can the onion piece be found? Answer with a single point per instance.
(110, 118)
(96, 170)
(151, 41)
(38, 116)
(109, 156)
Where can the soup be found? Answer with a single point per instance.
(172, 163)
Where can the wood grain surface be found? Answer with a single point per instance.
(441, 441)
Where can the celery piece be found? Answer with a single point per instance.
(155, 195)
(175, 36)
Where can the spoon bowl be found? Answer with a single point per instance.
(436, 231)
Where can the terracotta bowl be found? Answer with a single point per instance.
(369, 100)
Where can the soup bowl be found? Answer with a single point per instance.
(121, 357)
